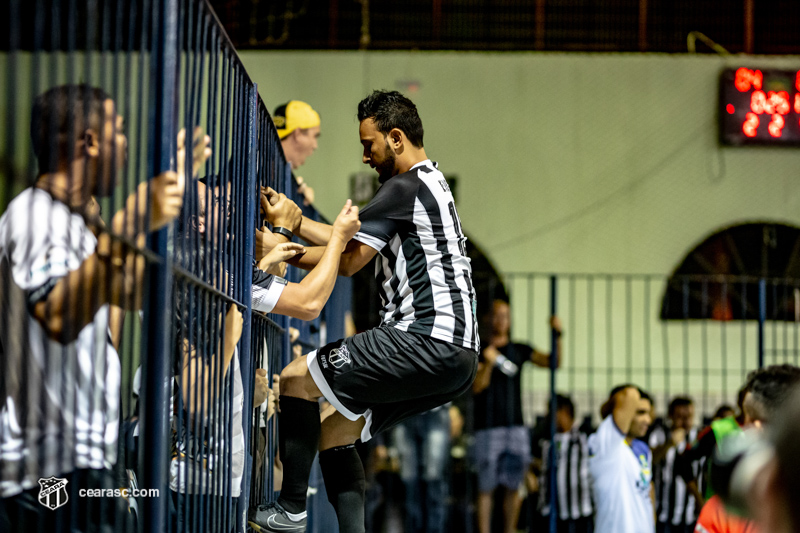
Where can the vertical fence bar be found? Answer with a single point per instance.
(762, 318)
(552, 477)
(648, 357)
(245, 346)
(155, 437)
(628, 329)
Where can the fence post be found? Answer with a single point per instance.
(552, 478)
(245, 344)
(156, 356)
(762, 318)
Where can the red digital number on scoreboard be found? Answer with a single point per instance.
(777, 105)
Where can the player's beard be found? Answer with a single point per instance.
(386, 168)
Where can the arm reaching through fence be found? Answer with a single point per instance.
(201, 368)
(305, 300)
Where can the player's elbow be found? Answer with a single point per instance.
(346, 269)
(309, 312)
(310, 309)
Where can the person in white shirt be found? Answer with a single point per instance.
(620, 464)
(64, 281)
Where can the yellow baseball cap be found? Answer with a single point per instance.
(292, 115)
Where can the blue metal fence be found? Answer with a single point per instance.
(194, 338)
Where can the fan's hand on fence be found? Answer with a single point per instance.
(555, 323)
(272, 404)
(261, 390)
(282, 253)
(166, 194)
(276, 389)
(201, 151)
(162, 196)
(347, 224)
(305, 190)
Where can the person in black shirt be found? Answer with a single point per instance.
(502, 442)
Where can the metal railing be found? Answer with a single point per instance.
(173, 77)
(697, 335)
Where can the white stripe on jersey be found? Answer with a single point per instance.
(422, 249)
(572, 475)
(76, 426)
(671, 487)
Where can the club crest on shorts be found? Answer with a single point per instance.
(339, 356)
(53, 492)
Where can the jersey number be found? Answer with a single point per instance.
(459, 233)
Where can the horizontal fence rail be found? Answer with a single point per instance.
(695, 335)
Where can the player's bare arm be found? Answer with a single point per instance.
(626, 402)
(355, 257)
(305, 300)
(311, 231)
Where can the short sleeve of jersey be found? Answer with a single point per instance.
(43, 241)
(522, 353)
(267, 290)
(392, 206)
(606, 438)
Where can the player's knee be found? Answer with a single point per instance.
(339, 431)
(296, 380)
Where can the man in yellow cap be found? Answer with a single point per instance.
(298, 128)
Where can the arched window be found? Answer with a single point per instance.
(719, 279)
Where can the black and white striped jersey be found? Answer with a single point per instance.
(60, 406)
(573, 480)
(674, 503)
(424, 275)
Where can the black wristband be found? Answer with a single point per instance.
(283, 231)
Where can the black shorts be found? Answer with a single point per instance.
(387, 375)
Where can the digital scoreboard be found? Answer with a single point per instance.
(759, 107)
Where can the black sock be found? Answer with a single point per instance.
(343, 473)
(298, 442)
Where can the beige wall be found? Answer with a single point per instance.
(567, 162)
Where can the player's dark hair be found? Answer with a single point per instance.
(389, 110)
(785, 436)
(61, 114)
(769, 389)
(565, 402)
(679, 401)
(645, 396)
